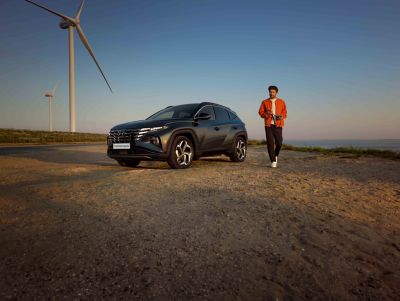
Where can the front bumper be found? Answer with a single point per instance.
(138, 150)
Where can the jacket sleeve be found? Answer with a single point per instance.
(284, 111)
(262, 111)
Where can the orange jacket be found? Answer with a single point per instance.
(265, 111)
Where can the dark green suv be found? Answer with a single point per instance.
(179, 135)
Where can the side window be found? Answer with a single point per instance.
(222, 114)
(166, 115)
(232, 115)
(182, 114)
(208, 110)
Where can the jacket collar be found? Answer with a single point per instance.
(269, 101)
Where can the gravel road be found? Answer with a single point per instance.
(75, 225)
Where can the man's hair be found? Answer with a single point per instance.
(273, 88)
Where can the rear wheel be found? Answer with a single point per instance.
(239, 150)
(128, 163)
(182, 153)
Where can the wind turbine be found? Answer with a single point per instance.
(69, 23)
(50, 96)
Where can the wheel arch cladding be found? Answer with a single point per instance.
(186, 133)
(241, 134)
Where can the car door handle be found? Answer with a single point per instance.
(216, 128)
(234, 127)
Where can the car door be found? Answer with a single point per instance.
(206, 130)
(222, 126)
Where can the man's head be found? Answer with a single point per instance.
(273, 91)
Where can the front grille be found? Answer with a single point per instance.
(126, 136)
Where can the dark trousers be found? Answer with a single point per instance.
(274, 139)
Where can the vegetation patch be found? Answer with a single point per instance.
(353, 151)
(45, 137)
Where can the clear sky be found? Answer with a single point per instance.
(336, 63)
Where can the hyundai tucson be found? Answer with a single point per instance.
(180, 134)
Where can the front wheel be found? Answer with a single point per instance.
(239, 150)
(182, 153)
(128, 163)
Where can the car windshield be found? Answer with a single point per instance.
(175, 112)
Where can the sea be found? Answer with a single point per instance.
(382, 144)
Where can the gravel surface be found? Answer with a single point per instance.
(75, 225)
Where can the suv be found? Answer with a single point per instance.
(179, 135)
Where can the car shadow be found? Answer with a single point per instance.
(215, 159)
(58, 154)
(71, 154)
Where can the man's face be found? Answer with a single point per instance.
(272, 93)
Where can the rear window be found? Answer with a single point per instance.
(232, 115)
(222, 114)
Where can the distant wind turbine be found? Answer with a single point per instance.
(50, 96)
(70, 23)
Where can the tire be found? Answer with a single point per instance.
(181, 154)
(239, 150)
(128, 163)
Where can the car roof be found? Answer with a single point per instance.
(205, 103)
(215, 104)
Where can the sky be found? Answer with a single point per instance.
(336, 63)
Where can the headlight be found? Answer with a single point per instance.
(143, 136)
(157, 128)
(154, 129)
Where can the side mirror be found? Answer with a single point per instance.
(203, 116)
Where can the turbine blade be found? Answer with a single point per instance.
(55, 89)
(89, 49)
(52, 11)
(78, 14)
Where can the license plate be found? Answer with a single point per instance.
(121, 146)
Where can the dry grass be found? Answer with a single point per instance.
(353, 151)
(44, 137)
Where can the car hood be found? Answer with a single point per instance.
(146, 124)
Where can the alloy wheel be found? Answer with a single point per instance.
(183, 153)
(241, 149)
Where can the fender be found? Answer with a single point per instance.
(180, 132)
(241, 133)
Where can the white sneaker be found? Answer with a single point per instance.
(273, 164)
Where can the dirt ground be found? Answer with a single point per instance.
(75, 225)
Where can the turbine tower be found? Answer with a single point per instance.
(50, 96)
(69, 23)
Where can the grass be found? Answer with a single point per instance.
(45, 137)
(256, 142)
(353, 151)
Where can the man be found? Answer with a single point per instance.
(273, 110)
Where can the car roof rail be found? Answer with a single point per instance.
(214, 104)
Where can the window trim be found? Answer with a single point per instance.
(195, 115)
(222, 107)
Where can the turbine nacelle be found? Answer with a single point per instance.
(53, 92)
(64, 23)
